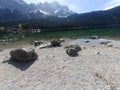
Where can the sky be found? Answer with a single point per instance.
(83, 6)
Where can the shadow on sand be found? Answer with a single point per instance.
(21, 65)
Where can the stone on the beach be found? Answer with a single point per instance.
(84, 47)
(98, 53)
(37, 43)
(73, 50)
(76, 47)
(87, 41)
(95, 37)
(105, 42)
(23, 55)
(110, 45)
(93, 46)
(55, 42)
(52, 56)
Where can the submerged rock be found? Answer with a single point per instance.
(23, 55)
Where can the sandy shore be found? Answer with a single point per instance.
(55, 70)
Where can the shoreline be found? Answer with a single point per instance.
(79, 41)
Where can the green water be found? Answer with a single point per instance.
(72, 34)
(107, 33)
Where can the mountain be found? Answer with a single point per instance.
(53, 15)
(14, 5)
(18, 10)
(105, 18)
(96, 18)
(54, 9)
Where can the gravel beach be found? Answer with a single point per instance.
(96, 68)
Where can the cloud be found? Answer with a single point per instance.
(111, 4)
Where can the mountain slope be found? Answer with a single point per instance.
(14, 5)
(32, 10)
(108, 17)
(55, 9)
(48, 15)
(93, 19)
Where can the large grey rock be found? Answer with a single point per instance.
(76, 47)
(55, 42)
(23, 55)
(72, 50)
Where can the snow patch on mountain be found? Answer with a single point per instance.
(46, 13)
(52, 9)
(56, 11)
(20, 1)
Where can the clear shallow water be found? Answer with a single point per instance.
(97, 42)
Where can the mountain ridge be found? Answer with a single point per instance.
(43, 8)
(37, 15)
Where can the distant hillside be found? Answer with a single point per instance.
(108, 17)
